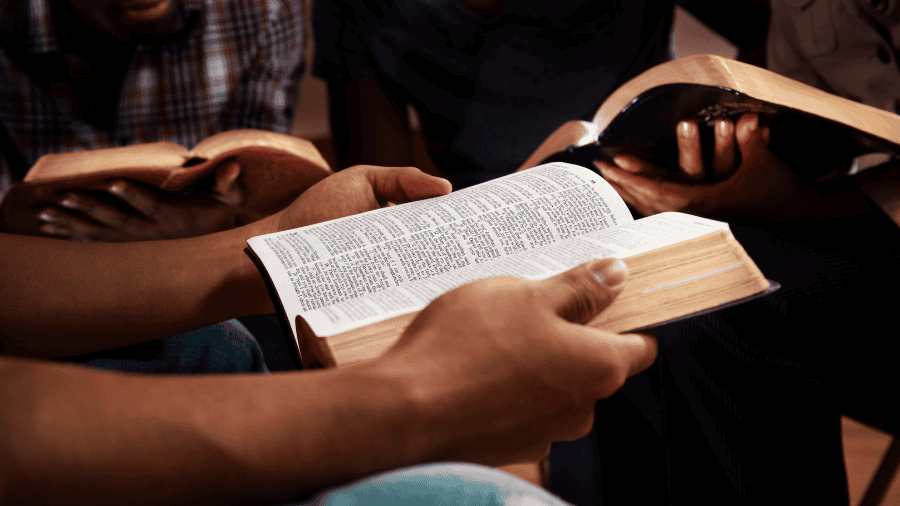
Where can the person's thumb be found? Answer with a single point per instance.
(752, 138)
(579, 294)
(227, 188)
(404, 184)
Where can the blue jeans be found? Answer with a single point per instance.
(226, 347)
(437, 485)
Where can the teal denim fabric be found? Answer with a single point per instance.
(447, 484)
(226, 347)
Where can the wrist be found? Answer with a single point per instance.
(398, 392)
(447, 417)
(240, 286)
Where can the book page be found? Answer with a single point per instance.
(350, 272)
(231, 140)
(538, 263)
(154, 155)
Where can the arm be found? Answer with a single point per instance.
(80, 435)
(63, 298)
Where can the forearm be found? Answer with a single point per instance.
(82, 436)
(79, 436)
(61, 298)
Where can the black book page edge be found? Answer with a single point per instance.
(279, 308)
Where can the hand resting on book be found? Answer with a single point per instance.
(745, 181)
(118, 283)
(149, 213)
(491, 372)
(228, 179)
(493, 386)
(359, 189)
(517, 353)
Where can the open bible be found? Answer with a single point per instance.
(811, 129)
(275, 168)
(349, 287)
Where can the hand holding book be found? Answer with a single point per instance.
(162, 190)
(348, 288)
(814, 134)
(359, 189)
(745, 180)
(148, 213)
(528, 341)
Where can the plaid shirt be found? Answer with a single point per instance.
(235, 66)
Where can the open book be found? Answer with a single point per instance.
(275, 168)
(813, 131)
(349, 287)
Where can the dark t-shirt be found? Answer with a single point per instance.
(489, 90)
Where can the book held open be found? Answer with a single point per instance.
(814, 132)
(275, 169)
(349, 287)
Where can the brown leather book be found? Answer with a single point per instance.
(348, 288)
(813, 131)
(275, 169)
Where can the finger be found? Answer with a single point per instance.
(50, 224)
(624, 354)
(227, 188)
(57, 232)
(602, 165)
(524, 461)
(359, 189)
(645, 192)
(141, 199)
(631, 164)
(404, 184)
(582, 422)
(637, 204)
(61, 224)
(542, 454)
(99, 211)
(689, 158)
(641, 349)
(753, 143)
(723, 157)
(579, 294)
(748, 135)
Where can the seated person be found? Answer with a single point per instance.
(83, 74)
(763, 385)
(490, 79)
(76, 435)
